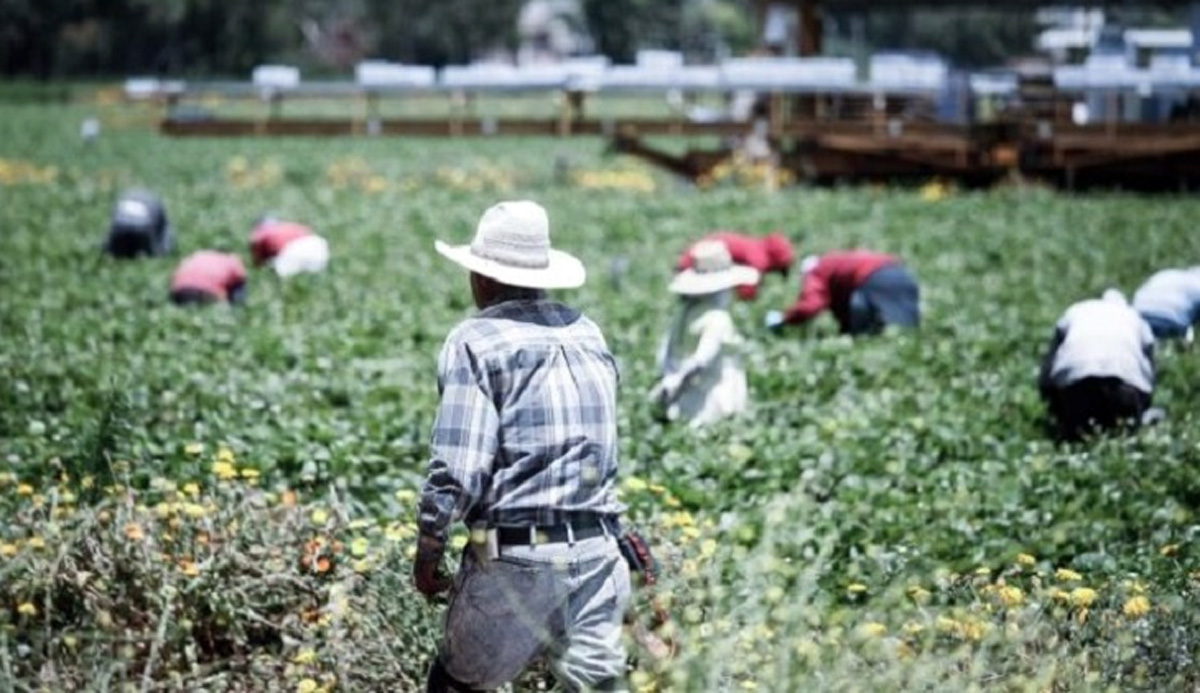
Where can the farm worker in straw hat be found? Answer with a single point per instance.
(139, 226)
(289, 247)
(1169, 301)
(207, 276)
(864, 290)
(1099, 369)
(524, 449)
(771, 253)
(702, 379)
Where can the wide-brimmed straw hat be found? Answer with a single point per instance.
(512, 246)
(712, 270)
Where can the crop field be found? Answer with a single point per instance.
(224, 499)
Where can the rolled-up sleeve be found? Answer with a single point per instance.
(464, 442)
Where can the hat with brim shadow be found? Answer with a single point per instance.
(712, 270)
(512, 246)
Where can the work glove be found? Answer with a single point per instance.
(773, 320)
(427, 575)
(667, 388)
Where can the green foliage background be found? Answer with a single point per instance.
(898, 458)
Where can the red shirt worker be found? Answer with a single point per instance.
(270, 236)
(207, 276)
(289, 248)
(771, 253)
(864, 290)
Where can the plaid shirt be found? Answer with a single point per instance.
(526, 430)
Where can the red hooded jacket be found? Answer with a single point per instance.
(770, 253)
(830, 283)
(216, 274)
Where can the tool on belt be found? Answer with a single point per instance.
(636, 551)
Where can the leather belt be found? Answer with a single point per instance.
(576, 530)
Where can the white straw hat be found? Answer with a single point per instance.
(305, 254)
(712, 270)
(512, 246)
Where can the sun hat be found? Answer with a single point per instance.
(712, 270)
(1113, 296)
(512, 246)
(306, 254)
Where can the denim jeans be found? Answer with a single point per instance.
(561, 601)
(1164, 328)
(890, 296)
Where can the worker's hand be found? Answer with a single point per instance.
(668, 388)
(427, 575)
(774, 320)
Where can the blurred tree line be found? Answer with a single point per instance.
(74, 38)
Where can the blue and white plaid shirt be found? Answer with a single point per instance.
(526, 431)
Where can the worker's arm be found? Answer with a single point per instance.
(814, 298)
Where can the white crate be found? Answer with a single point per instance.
(379, 73)
(276, 76)
(794, 74)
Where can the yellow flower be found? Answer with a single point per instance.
(193, 449)
(983, 571)
(362, 566)
(406, 495)
(8, 550)
(24, 490)
(188, 568)
(681, 518)
(856, 588)
(634, 484)
(358, 547)
(134, 531)
(1083, 596)
(36, 542)
(27, 609)
(248, 473)
(1169, 550)
(397, 532)
(912, 628)
(319, 517)
(918, 594)
(1026, 560)
(192, 489)
(933, 191)
(1136, 607)
(306, 656)
(306, 686)
(194, 510)
(641, 682)
(1010, 596)
(1067, 575)
(947, 624)
(224, 470)
(872, 629)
